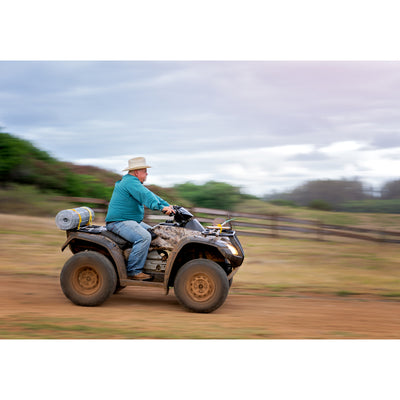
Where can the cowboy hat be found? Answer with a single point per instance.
(136, 163)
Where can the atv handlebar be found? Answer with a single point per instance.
(180, 215)
(169, 210)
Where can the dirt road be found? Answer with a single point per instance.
(35, 307)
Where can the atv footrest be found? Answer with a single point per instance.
(131, 282)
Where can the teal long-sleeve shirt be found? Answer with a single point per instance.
(129, 198)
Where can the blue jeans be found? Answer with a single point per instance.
(137, 234)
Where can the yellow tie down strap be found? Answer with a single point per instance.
(90, 215)
(80, 217)
(219, 227)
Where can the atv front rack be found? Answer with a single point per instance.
(218, 231)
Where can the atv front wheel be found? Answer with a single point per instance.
(201, 285)
(88, 278)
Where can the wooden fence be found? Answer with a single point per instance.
(103, 204)
(265, 225)
(273, 225)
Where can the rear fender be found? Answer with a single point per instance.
(77, 241)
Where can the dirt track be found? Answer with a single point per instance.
(35, 307)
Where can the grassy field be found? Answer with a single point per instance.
(31, 245)
(285, 289)
(356, 267)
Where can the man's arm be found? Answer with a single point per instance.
(150, 200)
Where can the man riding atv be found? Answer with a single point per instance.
(126, 212)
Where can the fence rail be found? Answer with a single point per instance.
(86, 200)
(272, 225)
(266, 225)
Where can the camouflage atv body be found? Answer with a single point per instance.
(199, 263)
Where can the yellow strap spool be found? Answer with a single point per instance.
(90, 215)
(80, 218)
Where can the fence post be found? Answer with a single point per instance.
(274, 225)
(320, 235)
(383, 236)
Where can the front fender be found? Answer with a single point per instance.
(199, 242)
(79, 239)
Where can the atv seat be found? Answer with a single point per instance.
(121, 242)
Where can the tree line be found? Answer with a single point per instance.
(22, 163)
(342, 195)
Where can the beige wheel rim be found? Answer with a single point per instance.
(86, 280)
(200, 287)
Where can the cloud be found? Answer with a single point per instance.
(260, 125)
(342, 147)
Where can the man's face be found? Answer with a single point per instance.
(141, 174)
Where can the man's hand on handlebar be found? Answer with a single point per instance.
(168, 210)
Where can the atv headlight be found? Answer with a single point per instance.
(232, 249)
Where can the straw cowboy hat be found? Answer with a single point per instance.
(136, 163)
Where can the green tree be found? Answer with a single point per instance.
(22, 163)
(17, 159)
(391, 190)
(333, 192)
(212, 194)
(320, 205)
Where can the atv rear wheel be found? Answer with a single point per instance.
(201, 285)
(88, 278)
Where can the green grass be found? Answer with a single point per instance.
(346, 293)
(394, 294)
(28, 327)
(349, 335)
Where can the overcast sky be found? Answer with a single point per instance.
(264, 126)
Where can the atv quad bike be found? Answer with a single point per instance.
(199, 263)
